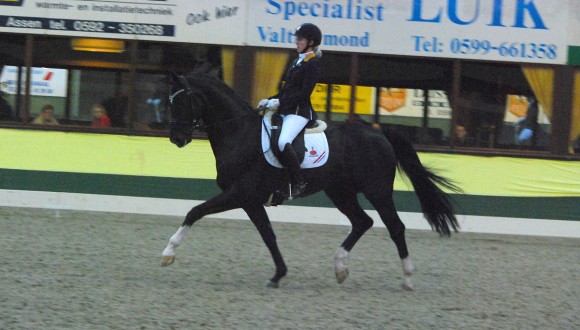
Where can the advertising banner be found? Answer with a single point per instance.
(411, 103)
(341, 95)
(45, 81)
(535, 31)
(499, 30)
(199, 21)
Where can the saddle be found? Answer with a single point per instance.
(299, 145)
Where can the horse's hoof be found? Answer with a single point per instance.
(271, 284)
(407, 285)
(341, 275)
(167, 260)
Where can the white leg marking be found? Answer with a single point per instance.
(175, 241)
(408, 270)
(340, 259)
(340, 269)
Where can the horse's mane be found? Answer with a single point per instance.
(211, 84)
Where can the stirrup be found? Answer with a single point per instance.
(296, 189)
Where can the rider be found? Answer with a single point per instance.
(293, 100)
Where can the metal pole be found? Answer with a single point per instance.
(28, 64)
(454, 101)
(354, 69)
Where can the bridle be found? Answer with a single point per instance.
(196, 100)
(195, 122)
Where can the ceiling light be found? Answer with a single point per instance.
(98, 45)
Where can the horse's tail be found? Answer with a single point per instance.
(435, 203)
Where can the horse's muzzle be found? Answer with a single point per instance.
(179, 141)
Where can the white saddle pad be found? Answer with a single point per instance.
(316, 144)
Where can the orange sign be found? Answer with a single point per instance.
(518, 105)
(392, 99)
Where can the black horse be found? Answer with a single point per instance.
(362, 159)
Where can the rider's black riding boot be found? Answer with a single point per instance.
(290, 158)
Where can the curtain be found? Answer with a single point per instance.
(269, 65)
(541, 81)
(228, 60)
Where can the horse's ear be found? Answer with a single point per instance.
(174, 78)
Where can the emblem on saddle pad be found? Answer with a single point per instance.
(314, 144)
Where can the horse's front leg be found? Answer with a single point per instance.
(168, 255)
(220, 203)
(260, 219)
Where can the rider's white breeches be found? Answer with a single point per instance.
(293, 124)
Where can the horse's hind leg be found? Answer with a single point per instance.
(383, 203)
(347, 203)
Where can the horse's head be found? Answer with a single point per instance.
(186, 111)
(198, 98)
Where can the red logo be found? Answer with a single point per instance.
(312, 152)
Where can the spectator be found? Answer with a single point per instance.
(576, 145)
(528, 125)
(156, 104)
(116, 109)
(100, 118)
(46, 116)
(5, 108)
(461, 136)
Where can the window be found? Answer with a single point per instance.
(89, 87)
(151, 108)
(71, 80)
(433, 102)
(409, 94)
(505, 106)
(500, 105)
